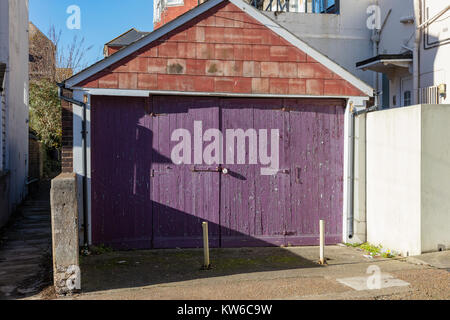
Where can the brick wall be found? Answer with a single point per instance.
(67, 138)
(34, 158)
(223, 50)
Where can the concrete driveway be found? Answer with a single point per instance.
(258, 273)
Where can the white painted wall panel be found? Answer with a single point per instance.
(14, 52)
(393, 179)
(408, 178)
(435, 222)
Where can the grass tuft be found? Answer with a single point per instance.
(374, 251)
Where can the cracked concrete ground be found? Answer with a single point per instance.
(252, 273)
(245, 273)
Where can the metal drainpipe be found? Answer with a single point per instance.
(416, 55)
(84, 170)
(351, 165)
(376, 35)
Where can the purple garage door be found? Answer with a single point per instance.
(141, 199)
(183, 195)
(121, 157)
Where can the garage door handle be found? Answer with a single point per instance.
(154, 173)
(194, 169)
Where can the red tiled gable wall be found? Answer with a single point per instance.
(223, 50)
(170, 13)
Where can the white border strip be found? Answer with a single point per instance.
(78, 158)
(78, 152)
(253, 12)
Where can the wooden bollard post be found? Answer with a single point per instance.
(322, 242)
(206, 264)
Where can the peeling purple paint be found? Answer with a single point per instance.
(142, 200)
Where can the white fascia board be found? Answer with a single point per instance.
(303, 46)
(125, 52)
(147, 93)
(114, 92)
(253, 12)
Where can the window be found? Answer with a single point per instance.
(437, 33)
(429, 95)
(325, 6)
(308, 6)
(157, 8)
(173, 3)
(160, 5)
(407, 98)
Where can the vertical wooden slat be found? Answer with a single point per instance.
(121, 207)
(185, 198)
(321, 186)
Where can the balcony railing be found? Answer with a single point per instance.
(305, 6)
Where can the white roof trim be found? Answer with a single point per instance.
(253, 12)
(387, 62)
(146, 93)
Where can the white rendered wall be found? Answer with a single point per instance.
(14, 52)
(17, 101)
(435, 177)
(393, 179)
(408, 178)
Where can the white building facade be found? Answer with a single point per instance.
(411, 50)
(400, 48)
(14, 105)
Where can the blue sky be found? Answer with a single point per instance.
(101, 20)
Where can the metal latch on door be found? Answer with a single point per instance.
(217, 169)
(153, 172)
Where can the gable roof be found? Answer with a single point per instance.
(402, 57)
(197, 11)
(127, 38)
